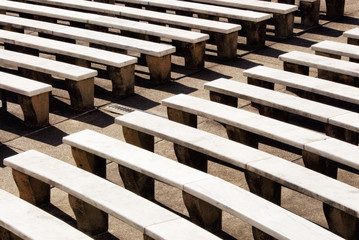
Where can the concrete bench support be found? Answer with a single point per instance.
(194, 54)
(284, 24)
(335, 8)
(159, 68)
(226, 45)
(254, 32)
(309, 12)
(81, 93)
(35, 109)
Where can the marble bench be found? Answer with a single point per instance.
(120, 68)
(158, 56)
(79, 80)
(338, 123)
(352, 36)
(320, 152)
(22, 220)
(328, 68)
(204, 195)
(253, 23)
(283, 14)
(33, 97)
(225, 34)
(192, 43)
(336, 50)
(92, 198)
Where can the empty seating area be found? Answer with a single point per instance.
(179, 119)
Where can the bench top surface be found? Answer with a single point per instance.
(30, 222)
(337, 48)
(22, 86)
(205, 9)
(105, 39)
(140, 27)
(268, 127)
(289, 103)
(121, 203)
(225, 196)
(263, 6)
(142, 14)
(352, 33)
(277, 169)
(69, 49)
(311, 84)
(290, 134)
(45, 65)
(325, 63)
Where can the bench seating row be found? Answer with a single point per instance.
(158, 56)
(192, 43)
(225, 34)
(92, 198)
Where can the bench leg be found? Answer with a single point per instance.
(134, 181)
(224, 99)
(7, 235)
(194, 54)
(342, 134)
(227, 45)
(72, 60)
(3, 101)
(287, 1)
(35, 109)
(335, 8)
(295, 68)
(327, 55)
(284, 24)
(90, 220)
(159, 68)
(259, 83)
(37, 76)
(89, 162)
(254, 32)
(62, 39)
(341, 223)
(339, 78)
(30, 189)
(242, 136)
(21, 49)
(123, 80)
(320, 164)
(266, 189)
(81, 93)
(309, 12)
(353, 41)
(203, 213)
(273, 113)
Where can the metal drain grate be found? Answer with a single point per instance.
(120, 109)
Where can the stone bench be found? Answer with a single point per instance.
(158, 56)
(22, 220)
(253, 23)
(338, 123)
(226, 34)
(192, 43)
(328, 68)
(352, 36)
(33, 98)
(209, 193)
(336, 50)
(120, 68)
(283, 14)
(92, 198)
(320, 152)
(79, 80)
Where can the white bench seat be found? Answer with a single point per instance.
(29, 222)
(194, 42)
(147, 217)
(33, 97)
(352, 36)
(156, 54)
(283, 14)
(328, 68)
(120, 67)
(253, 23)
(79, 80)
(210, 189)
(336, 49)
(226, 33)
(286, 103)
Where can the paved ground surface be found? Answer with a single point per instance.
(15, 137)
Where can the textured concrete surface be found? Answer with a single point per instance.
(15, 137)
